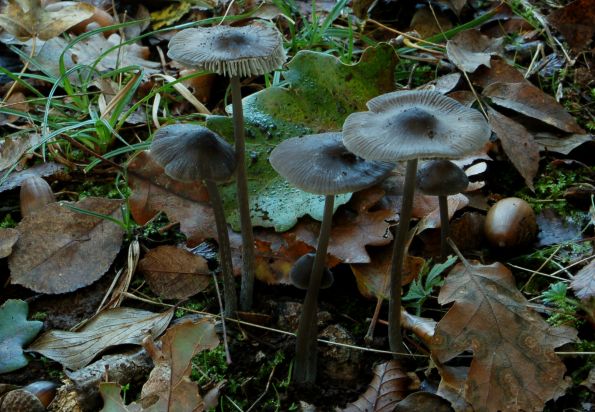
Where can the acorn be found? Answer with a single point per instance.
(510, 223)
(34, 397)
(35, 194)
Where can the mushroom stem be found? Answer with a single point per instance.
(229, 290)
(246, 291)
(396, 272)
(304, 371)
(444, 225)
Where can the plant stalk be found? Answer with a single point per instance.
(247, 289)
(395, 339)
(304, 371)
(444, 225)
(229, 289)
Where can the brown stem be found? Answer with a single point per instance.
(247, 288)
(444, 225)
(229, 289)
(396, 272)
(304, 370)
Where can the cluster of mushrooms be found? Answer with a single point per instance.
(399, 126)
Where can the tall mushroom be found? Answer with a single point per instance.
(442, 178)
(234, 52)
(409, 125)
(189, 152)
(321, 164)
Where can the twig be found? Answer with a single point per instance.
(266, 389)
(227, 355)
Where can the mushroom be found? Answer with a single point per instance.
(234, 52)
(189, 152)
(321, 164)
(409, 125)
(442, 178)
(35, 194)
(301, 272)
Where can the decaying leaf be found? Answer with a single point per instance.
(470, 49)
(373, 279)
(563, 145)
(187, 203)
(514, 365)
(583, 283)
(15, 332)
(498, 71)
(15, 179)
(174, 273)
(354, 228)
(518, 143)
(12, 148)
(8, 237)
(428, 209)
(112, 327)
(423, 402)
(33, 18)
(527, 99)
(575, 22)
(16, 102)
(452, 386)
(389, 385)
(61, 250)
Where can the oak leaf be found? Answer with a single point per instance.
(514, 365)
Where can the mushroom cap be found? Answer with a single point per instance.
(320, 164)
(441, 178)
(409, 125)
(190, 152)
(231, 51)
(300, 273)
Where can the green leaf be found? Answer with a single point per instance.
(321, 93)
(15, 331)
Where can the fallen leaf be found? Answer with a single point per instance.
(354, 228)
(15, 332)
(427, 22)
(119, 326)
(16, 102)
(428, 209)
(583, 282)
(518, 144)
(452, 386)
(563, 145)
(8, 237)
(373, 279)
(174, 273)
(527, 99)
(498, 71)
(389, 385)
(575, 22)
(34, 18)
(320, 93)
(15, 179)
(514, 365)
(470, 49)
(153, 191)
(555, 229)
(61, 250)
(12, 148)
(423, 402)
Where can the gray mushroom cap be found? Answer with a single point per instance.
(300, 273)
(410, 125)
(191, 152)
(230, 51)
(441, 178)
(320, 164)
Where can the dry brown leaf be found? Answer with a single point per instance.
(428, 209)
(452, 386)
(12, 148)
(112, 327)
(15, 179)
(527, 99)
(498, 71)
(354, 228)
(470, 49)
(61, 250)
(35, 18)
(373, 279)
(423, 402)
(174, 273)
(423, 328)
(575, 22)
(563, 145)
(187, 203)
(389, 385)
(8, 237)
(514, 365)
(583, 282)
(16, 101)
(518, 144)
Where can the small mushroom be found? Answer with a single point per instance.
(250, 50)
(35, 194)
(188, 153)
(510, 223)
(442, 178)
(411, 125)
(321, 164)
(300, 273)
(34, 397)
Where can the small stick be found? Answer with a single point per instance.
(227, 354)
